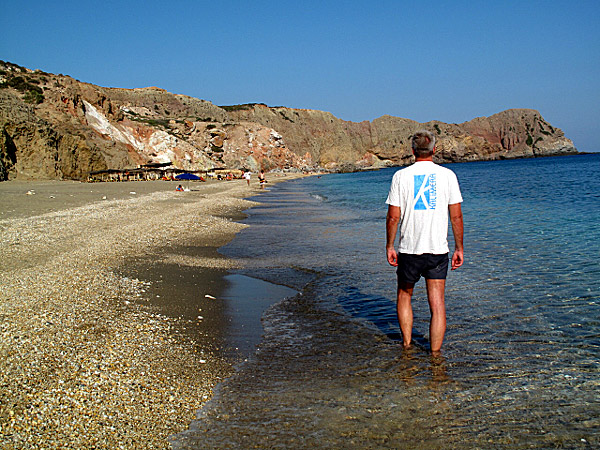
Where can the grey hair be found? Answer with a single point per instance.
(423, 142)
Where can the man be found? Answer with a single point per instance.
(261, 179)
(420, 198)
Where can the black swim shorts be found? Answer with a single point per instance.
(412, 267)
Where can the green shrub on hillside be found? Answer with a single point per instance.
(246, 106)
(33, 93)
(33, 97)
(529, 139)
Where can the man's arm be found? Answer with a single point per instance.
(391, 226)
(456, 219)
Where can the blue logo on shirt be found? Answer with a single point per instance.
(425, 192)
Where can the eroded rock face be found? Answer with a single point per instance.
(55, 127)
(78, 128)
(33, 148)
(331, 141)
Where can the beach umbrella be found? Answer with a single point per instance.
(187, 176)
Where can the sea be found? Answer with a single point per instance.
(520, 365)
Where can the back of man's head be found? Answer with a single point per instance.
(423, 143)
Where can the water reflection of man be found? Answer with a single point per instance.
(419, 200)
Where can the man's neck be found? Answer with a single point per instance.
(429, 158)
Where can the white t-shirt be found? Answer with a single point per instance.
(423, 192)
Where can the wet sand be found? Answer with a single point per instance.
(114, 327)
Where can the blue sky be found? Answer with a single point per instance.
(427, 60)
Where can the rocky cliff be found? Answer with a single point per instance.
(515, 133)
(55, 127)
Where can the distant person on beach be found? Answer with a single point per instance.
(420, 198)
(261, 179)
(179, 188)
(247, 176)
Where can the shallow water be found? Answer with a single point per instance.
(246, 299)
(520, 365)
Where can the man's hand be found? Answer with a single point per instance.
(391, 225)
(392, 256)
(456, 219)
(457, 259)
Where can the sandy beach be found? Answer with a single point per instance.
(98, 350)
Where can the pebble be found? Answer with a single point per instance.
(86, 362)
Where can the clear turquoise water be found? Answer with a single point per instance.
(521, 359)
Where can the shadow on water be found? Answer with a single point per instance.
(322, 379)
(379, 311)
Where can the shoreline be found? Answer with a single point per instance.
(89, 358)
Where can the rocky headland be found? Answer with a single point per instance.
(55, 127)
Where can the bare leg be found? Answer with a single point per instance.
(405, 312)
(437, 307)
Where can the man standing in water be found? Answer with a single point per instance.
(420, 198)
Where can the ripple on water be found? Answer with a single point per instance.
(521, 360)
